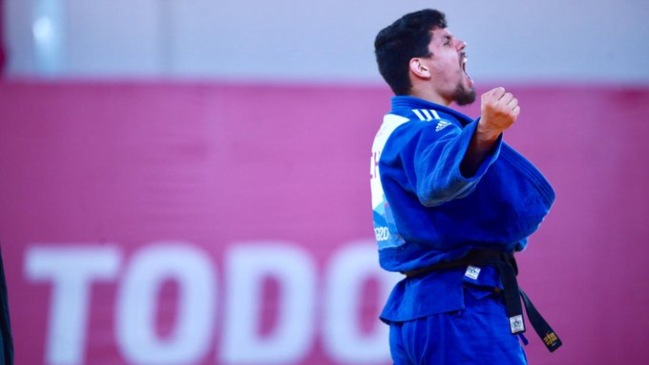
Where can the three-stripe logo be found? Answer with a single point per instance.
(426, 115)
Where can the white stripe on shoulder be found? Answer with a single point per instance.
(418, 114)
(427, 114)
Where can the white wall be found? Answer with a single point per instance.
(328, 41)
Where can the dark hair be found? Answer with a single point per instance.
(404, 39)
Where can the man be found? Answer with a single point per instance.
(452, 203)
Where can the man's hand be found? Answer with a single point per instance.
(499, 111)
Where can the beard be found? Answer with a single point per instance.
(464, 95)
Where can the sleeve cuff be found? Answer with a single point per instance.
(492, 156)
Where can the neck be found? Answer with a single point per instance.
(429, 96)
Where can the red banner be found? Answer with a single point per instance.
(222, 224)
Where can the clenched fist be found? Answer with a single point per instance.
(499, 111)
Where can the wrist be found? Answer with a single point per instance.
(485, 134)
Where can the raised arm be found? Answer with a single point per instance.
(499, 110)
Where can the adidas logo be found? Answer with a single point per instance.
(427, 115)
(441, 125)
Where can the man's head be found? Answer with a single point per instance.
(418, 56)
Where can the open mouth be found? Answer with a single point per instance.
(463, 61)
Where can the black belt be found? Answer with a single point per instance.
(505, 265)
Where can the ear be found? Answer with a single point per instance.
(419, 69)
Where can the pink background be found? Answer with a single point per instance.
(128, 164)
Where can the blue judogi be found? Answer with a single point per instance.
(427, 212)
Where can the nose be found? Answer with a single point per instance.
(461, 45)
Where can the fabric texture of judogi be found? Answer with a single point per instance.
(426, 212)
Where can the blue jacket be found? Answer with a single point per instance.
(426, 211)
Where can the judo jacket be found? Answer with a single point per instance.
(426, 212)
